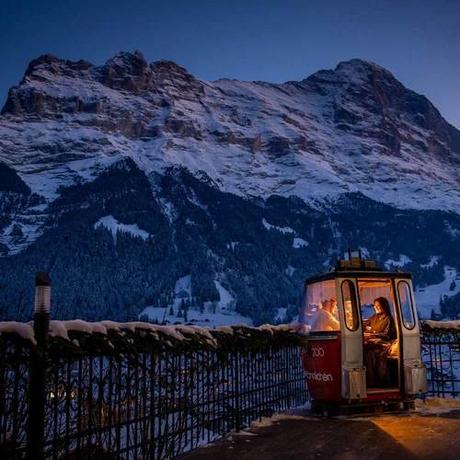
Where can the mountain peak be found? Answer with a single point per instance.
(167, 65)
(170, 69)
(175, 80)
(358, 71)
(364, 69)
(126, 63)
(358, 63)
(127, 71)
(131, 72)
(48, 63)
(45, 60)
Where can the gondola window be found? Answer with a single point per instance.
(319, 308)
(350, 305)
(405, 300)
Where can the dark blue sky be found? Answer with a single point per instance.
(419, 41)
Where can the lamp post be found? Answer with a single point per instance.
(38, 367)
(42, 307)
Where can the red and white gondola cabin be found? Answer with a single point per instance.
(336, 309)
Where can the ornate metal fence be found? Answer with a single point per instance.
(129, 391)
(14, 404)
(140, 391)
(441, 355)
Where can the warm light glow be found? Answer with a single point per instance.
(42, 299)
(407, 434)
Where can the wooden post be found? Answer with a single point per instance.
(37, 383)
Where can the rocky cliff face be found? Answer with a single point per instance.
(339, 144)
(355, 128)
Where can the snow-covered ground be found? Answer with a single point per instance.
(436, 405)
(269, 226)
(113, 226)
(195, 317)
(427, 298)
(212, 314)
(299, 243)
(21, 232)
(182, 290)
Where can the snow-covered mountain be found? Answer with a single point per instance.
(355, 128)
(343, 142)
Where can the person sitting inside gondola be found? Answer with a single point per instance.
(380, 332)
(325, 319)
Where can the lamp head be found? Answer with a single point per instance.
(42, 293)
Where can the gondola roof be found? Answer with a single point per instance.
(357, 267)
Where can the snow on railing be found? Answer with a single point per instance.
(23, 330)
(78, 332)
(451, 325)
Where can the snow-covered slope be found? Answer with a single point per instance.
(182, 308)
(428, 297)
(141, 173)
(111, 224)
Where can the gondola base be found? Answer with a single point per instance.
(361, 408)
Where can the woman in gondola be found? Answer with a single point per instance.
(380, 332)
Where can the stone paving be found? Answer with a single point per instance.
(432, 432)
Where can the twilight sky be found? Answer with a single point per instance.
(272, 40)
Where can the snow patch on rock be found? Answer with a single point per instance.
(283, 230)
(431, 263)
(114, 227)
(299, 243)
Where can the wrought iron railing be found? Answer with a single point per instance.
(143, 392)
(441, 355)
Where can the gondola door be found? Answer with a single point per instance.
(353, 372)
(414, 371)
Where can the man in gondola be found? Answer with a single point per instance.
(325, 319)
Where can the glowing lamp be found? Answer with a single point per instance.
(42, 293)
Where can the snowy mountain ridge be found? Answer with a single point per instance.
(355, 128)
